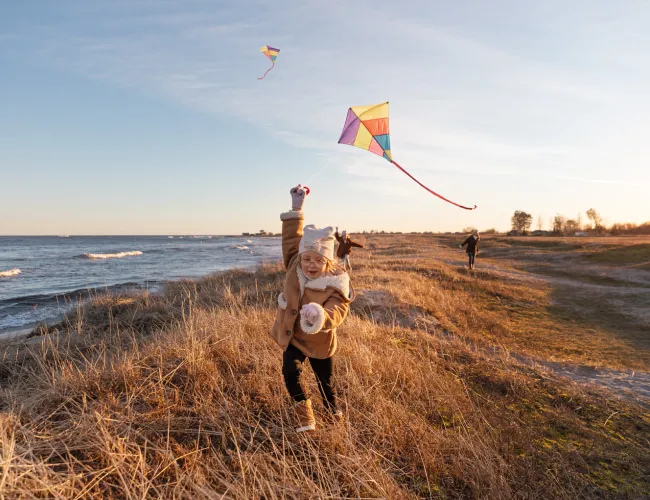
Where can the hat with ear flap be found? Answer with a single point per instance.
(317, 240)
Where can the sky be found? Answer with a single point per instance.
(147, 117)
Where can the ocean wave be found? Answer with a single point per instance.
(118, 255)
(9, 273)
(240, 247)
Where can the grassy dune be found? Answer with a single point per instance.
(181, 395)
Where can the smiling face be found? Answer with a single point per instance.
(313, 264)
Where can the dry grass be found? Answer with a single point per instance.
(181, 396)
(545, 297)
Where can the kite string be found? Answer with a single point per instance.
(431, 191)
(264, 76)
(327, 164)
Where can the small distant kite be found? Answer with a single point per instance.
(366, 127)
(272, 54)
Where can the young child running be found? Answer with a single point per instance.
(472, 247)
(314, 302)
(345, 249)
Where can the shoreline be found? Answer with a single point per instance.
(15, 333)
(43, 292)
(18, 332)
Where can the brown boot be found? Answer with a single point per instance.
(305, 416)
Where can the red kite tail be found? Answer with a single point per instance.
(272, 66)
(431, 191)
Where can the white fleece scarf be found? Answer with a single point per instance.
(340, 282)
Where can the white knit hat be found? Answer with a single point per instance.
(317, 240)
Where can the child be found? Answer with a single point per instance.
(345, 249)
(324, 292)
(472, 247)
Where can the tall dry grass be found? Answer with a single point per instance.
(181, 396)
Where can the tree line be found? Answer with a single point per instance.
(521, 223)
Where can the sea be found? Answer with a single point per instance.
(42, 277)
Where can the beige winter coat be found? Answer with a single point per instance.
(331, 293)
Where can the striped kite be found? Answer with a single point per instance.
(272, 54)
(366, 127)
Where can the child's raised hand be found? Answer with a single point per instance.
(297, 197)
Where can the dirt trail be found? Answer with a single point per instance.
(628, 384)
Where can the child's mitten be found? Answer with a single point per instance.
(310, 313)
(297, 197)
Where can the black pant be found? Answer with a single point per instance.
(471, 259)
(292, 361)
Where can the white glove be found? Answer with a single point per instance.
(297, 197)
(310, 313)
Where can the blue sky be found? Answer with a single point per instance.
(146, 117)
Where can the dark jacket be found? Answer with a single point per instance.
(472, 244)
(345, 245)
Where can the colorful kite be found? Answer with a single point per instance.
(272, 54)
(366, 127)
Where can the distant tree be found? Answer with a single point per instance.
(629, 228)
(521, 221)
(571, 226)
(490, 231)
(579, 221)
(558, 224)
(468, 229)
(540, 223)
(596, 219)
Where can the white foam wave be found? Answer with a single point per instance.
(240, 247)
(249, 241)
(11, 272)
(111, 255)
